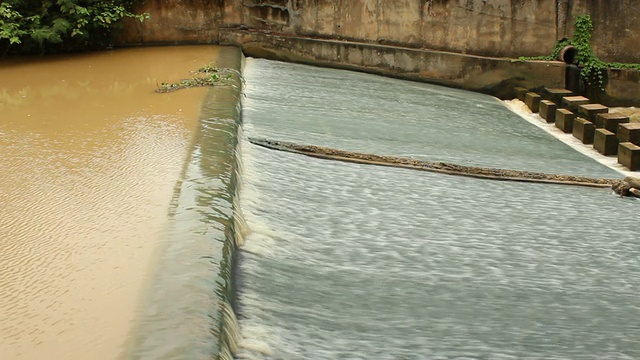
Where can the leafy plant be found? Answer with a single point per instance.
(28, 26)
(592, 68)
(217, 76)
(208, 69)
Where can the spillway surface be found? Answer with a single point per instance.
(361, 262)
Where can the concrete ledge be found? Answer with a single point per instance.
(555, 95)
(532, 100)
(629, 132)
(564, 120)
(610, 121)
(572, 102)
(494, 76)
(622, 87)
(583, 130)
(629, 155)
(548, 110)
(590, 111)
(605, 142)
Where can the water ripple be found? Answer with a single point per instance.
(354, 261)
(89, 162)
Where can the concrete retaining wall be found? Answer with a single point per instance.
(426, 40)
(497, 28)
(489, 75)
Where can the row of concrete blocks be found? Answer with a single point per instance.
(610, 133)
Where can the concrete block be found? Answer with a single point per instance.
(610, 121)
(605, 142)
(521, 92)
(564, 120)
(532, 100)
(629, 133)
(583, 130)
(555, 95)
(629, 155)
(590, 111)
(548, 110)
(572, 102)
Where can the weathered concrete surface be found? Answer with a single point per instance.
(610, 121)
(591, 111)
(629, 155)
(479, 28)
(616, 28)
(175, 22)
(564, 120)
(497, 28)
(532, 100)
(548, 110)
(605, 142)
(583, 130)
(572, 102)
(489, 28)
(555, 95)
(622, 88)
(521, 93)
(494, 76)
(629, 133)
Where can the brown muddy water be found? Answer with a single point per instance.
(90, 156)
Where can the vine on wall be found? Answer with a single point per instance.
(592, 68)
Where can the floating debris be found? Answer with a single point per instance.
(218, 76)
(630, 186)
(439, 167)
(210, 68)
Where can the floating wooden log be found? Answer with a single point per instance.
(438, 167)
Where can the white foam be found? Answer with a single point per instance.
(524, 112)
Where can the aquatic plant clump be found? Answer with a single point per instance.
(218, 76)
(210, 68)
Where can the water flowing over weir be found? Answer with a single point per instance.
(189, 313)
(356, 261)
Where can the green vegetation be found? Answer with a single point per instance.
(217, 76)
(593, 69)
(28, 26)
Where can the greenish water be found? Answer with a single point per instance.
(349, 261)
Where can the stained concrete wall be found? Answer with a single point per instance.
(495, 76)
(491, 28)
(622, 88)
(177, 22)
(419, 39)
(616, 28)
(498, 28)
